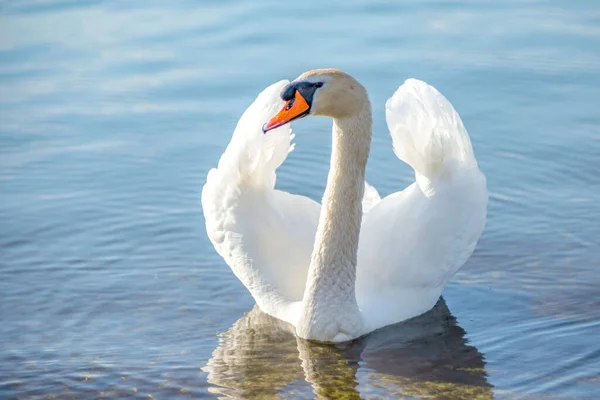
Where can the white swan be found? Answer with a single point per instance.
(302, 262)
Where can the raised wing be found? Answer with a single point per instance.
(413, 241)
(264, 235)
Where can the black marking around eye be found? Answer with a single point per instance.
(289, 92)
(306, 89)
(290, 103)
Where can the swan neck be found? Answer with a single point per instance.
(330, 289)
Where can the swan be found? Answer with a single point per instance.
(355, 263)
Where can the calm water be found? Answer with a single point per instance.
(113, 112)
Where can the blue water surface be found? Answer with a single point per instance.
(112, 113)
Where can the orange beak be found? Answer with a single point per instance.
(293, 109)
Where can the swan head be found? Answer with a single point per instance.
(325, 92)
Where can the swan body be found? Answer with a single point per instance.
(356, 262)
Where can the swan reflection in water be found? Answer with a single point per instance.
(427, 356)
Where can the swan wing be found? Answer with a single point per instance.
(265, 235)
(413, 241)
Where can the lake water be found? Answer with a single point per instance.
(111, 114)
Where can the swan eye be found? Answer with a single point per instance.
(290, 103)
(318, 84)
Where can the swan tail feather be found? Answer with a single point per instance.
(427, 132)
(370, 198)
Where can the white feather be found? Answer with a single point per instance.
(411, 242)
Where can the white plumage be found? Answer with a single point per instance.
(411, 242)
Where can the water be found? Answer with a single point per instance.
(111, 114)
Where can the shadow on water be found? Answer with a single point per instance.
(426, 357)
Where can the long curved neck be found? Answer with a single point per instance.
(329, 294)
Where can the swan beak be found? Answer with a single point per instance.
(296, 107)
